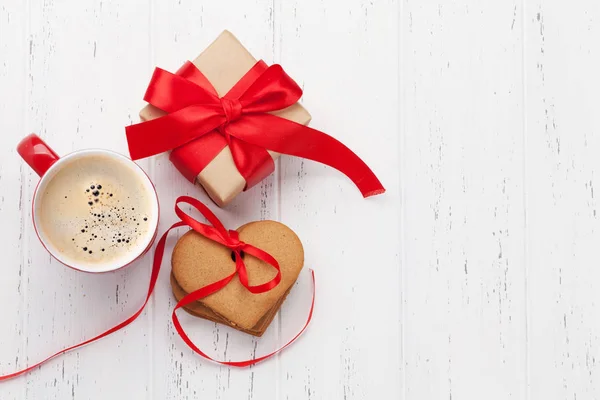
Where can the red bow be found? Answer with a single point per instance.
(229, 239)
(199, 125)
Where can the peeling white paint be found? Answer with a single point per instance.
(475, 276)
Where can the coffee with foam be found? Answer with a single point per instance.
(96, 210)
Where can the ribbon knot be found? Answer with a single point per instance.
(234, 242)
(230, 239)
(232, 108)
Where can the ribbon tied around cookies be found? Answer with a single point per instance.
(215, 232)
(204, 123)
(230, 239)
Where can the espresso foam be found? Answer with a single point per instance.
(96, 210)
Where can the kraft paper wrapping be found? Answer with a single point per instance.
(224, 62)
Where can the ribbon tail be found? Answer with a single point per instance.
(288, 137)
(254, 162)
(205, 291)
(160, 249)
(172, 130)
(194, 296)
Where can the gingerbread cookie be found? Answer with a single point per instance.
(197, 309)
(198, 261)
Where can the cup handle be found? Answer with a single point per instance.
(37, 153)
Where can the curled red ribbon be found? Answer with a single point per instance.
(199, 125)
(219, 234)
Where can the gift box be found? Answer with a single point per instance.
(225, 118)
(224, 63)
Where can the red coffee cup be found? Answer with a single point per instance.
(46, 163)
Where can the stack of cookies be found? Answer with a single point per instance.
(198, 261)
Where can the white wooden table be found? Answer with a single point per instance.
(476, 276)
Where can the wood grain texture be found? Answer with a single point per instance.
(13, 215)
(351, 89)
(181, 30)
(462, 103)
(562, 60)
(473, 277)
(75, 100)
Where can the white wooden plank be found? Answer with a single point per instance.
(563, 168)
(13, 74)
(182, 30)
(464, 277)
(82, 57)
(345, 56)
(453, 300)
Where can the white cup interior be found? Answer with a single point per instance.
(126, 258)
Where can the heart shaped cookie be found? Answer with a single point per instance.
(198, 261)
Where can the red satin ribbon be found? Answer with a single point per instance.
(219, 234)
(199, 125)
